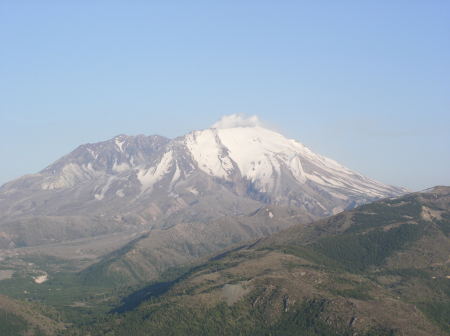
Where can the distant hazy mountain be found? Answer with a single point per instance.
(143, 182)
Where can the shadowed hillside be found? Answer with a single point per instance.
(381, 269)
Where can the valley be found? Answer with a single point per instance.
(381, 269)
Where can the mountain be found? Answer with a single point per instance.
(143, 183)
(381, 269)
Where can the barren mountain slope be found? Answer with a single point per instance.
(146, 182)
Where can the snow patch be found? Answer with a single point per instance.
(338, 195)
(209, 154)
(104, 189)
(296, 168)
(176, 175)
(148, 177)
(93, 153)
(119, 143)
(258, 153)
(120, 167)
(69, 175)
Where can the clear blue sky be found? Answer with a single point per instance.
(364, 82)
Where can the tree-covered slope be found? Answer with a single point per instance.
(381, 269)
(21, 318)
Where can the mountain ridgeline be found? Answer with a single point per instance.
(146, 182)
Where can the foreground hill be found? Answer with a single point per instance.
(152, 254)
(151, 182)
(381, 269)
(20, 318)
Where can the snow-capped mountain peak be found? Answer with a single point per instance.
(237, 157)
(272, 162)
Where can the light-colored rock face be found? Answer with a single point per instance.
(208, 173)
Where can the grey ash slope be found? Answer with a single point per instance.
(148, 257)
(142, 183)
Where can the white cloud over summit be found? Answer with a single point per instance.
(238, 120)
